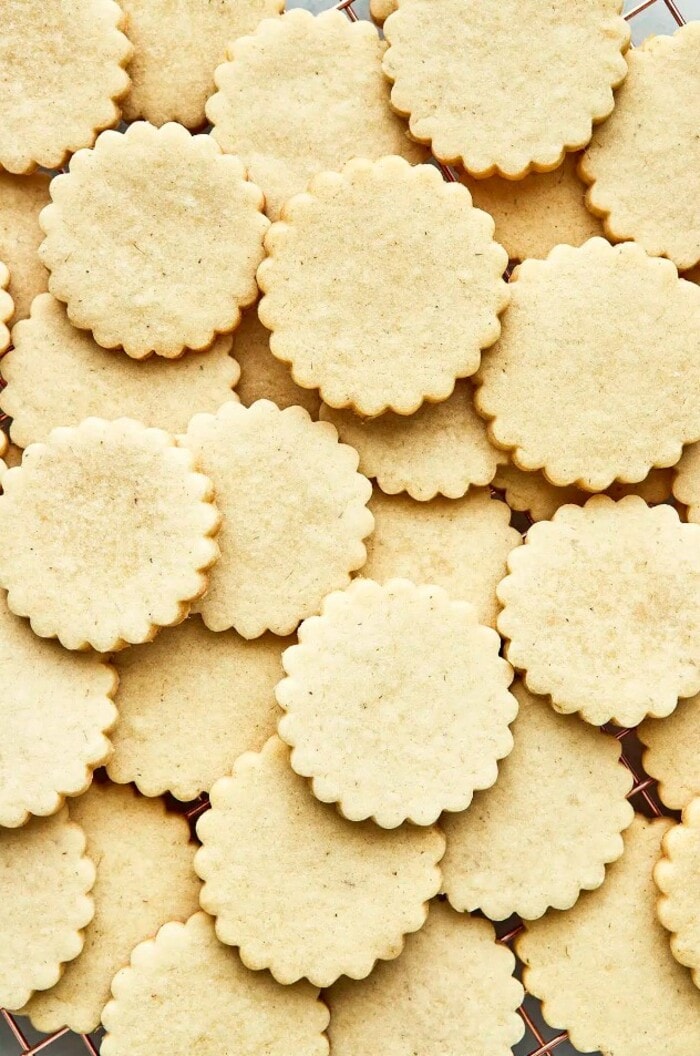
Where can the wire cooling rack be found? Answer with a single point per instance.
(18, 1038)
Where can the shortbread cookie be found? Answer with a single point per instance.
(686, 485)
(21, 200)
(564, 783)
(153, 239)
(442, 449)
(657, 116)
(186, 987)
(381, 9)
(454, 965)
(176, 50)
(602, 610)
(397, 704)
(262, 376)
(449, 61)
(7, 307)
(58, 375)
(299, 889)
(294, 515)
(458, 544)
(630, 397)
(672, 753)
(145, 877)
(389, 345)
(45, 880)
(676, 875)
(116, 534)
(305, 94)
(604, 970)
(189, 704)
(62, 75)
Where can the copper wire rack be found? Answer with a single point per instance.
(18, 1038)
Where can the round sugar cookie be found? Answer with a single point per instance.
(629, 395)
(458, 544)
(190, 703)
(643, 163)
(301, 95)
(564, 784)
(396, 703)
(263, 377)
(602, 610)
(604, 970)
(145, 877)
(442, 449)
(299, 889)
(107, 534)
(45, 880)
(672, 753)
(389, 345)
(176, 50)
(153, 239)
(62, 74)
(449, 61)
(294, 515)
(454, 965)
(21, 200)
(58, 375)
(676, 875)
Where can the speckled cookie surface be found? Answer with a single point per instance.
(672, 753)
(21, 200)
(676, 875)
(263, 377)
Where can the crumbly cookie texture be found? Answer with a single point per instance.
(263, 376)
(390, 345)
(602, 610)
(656, 118)
(21, 200)
(116, 534)
(153, 239)
(632, 410)
(676, 875)
(449, 60)
(672, 753)
(300, 890)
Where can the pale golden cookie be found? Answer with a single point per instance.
(299, 889)
(672, 753)
(189, 704)
(45, 880)
(58, 375)
(686, 485)
(6, 307)
(677, 876)
(21, 200)
(442, 449)
(176, 50)
(107, 534)
(550, 824)
(262, 376)
(458, 544)
(304, 94)
(153, 239)
(450, 61)
(396, 703)
(602, 609)
(381, 9)
(451, 991)
(62, 72)
(393, 344)
(571, 342)
(643, 163)
(294, 515)
(145, 877)
(604, 971)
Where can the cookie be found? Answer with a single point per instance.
(62, 76)
(602, 610)
(381, 9)
(116, 534)
(672, 753)
(45, 880)
(458, 544)
(58, 375)
(390, 345)
(21, 200)
(7, 307)
(564, 784)
(632, 410)
(449, 60)
(176, 50)
(604, 971)
(442, 449)
(301, 95)
(676, 876)
(638, 194)
(189, 704)
(294, 515)
(4, 446)
(396, 703)
(144, 878)
(299, 889)
(186, 977)
(153, 239)
(262, 376)
(686, 484)
(454, 965)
